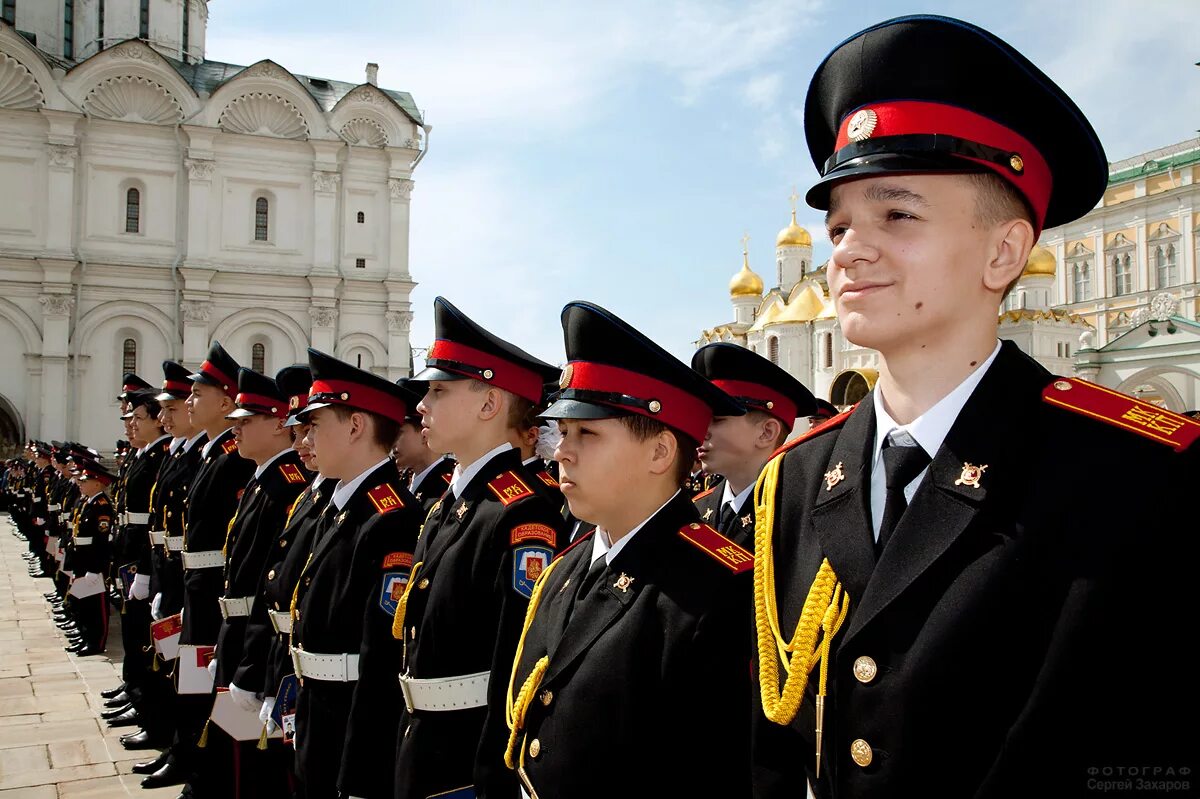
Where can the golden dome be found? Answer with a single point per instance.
(1041, 262)
(745, 283)
(793, 235)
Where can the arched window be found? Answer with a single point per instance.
(133, 211)
(1122, 275)
(773, 349)
(1082, 280)
(258, 358)
(1166, 273)
(361, 217)
(128, 356)
(68, 28)
(262, 210)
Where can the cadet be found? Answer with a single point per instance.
(88, 559)
(953, 616)
(737, 447)
(212, 498)
(632, 661)
(343, 604)
(479, 555)
(429, 472)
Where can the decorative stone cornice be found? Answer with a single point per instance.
(18, 87)
(63, 155)
(200, 168)
(364, 132)
(399, 321)
(129, 98)
(262, 114)
(322, 316)
(326, 181)
(400, 188)
(265, 69)
(56, 304)
(196, 310)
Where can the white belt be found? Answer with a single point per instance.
(83, 540)
(137, 518)
(447, 693)
(174, 542)
(157, 537)
(209, 559)
(281, 620)
(238, 606)
(331, 668)
(54, 507)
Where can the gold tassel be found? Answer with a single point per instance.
(203, 741)
(262, 739)
(154, 663)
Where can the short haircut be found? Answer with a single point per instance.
(757, 417)
(644, 428)
(384, 430)
(998, 201)
(521, 415)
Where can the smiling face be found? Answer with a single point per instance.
(912, 261)
(301, 445)
(144, 428)
(174, 417)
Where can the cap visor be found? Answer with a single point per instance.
(433, 373)
(241, 413)
(887, 164)
(576, 409)
(167, 395)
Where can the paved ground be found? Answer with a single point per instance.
(52, 740)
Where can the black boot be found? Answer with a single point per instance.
(151, 766)
(170, 774)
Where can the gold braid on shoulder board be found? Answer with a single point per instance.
(825, 609)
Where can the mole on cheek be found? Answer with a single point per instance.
(919, 305)
(974, 362)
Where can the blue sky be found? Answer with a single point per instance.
(617, 151)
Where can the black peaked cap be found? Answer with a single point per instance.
(754, 382)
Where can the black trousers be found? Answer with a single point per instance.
(135, 638)
(91, 614)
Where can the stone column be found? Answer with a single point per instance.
(324, 328)
(56, 323)
(399, 323)
(200, 175)
(326, 221)
(196, 314)
(60, 196)
(400, 191)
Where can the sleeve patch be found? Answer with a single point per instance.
(448, 477)
(509, 488)
(718, 547)
(528, 565)
(229, 446)
(547, 478)
(533, 532)
(391, 591)
(291, 472)
(385, 499)
(1121, 410)
(403, 559)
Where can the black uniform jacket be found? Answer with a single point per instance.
(651, 652)
(212, 499)
(433, 485)
(131, 543)
(91, 545)
(739, 528)
(344, 604)
(284, 566)
(1021, 632)
(253, 539)
(464, 616)
(168, 511)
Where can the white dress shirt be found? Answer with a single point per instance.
(346, 488)
(209, 444)
(259, 471)
(928, 430)
(463, 477)
(735, 500)
(416, 479)
(191, 442)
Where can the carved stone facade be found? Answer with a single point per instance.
(151, 207)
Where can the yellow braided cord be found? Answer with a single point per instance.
(402, 607)
(292, 509)
(152, 488)
(825, 608)
(514, 709)
(228, 531)
(296, 590)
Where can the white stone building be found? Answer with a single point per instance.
(1113, 297)
(155, 201)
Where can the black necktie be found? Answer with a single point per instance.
(901, 465)
(726, 519)
(594, 573)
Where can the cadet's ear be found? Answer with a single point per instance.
(1013, 241)
(493, 404)
(662, 459)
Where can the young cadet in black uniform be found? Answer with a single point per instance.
(213, 496)
(631, 674)
(250, 541)
(347, 594)
(737, 447)
(88, 558)
(479, 555)
(965, 609)
(429, 472)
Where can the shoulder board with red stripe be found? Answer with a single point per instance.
(448, 477)
(547, 478)
(703, 494)
(585, 537)
(509, 488)
(836, 421)
(1124, 411)
(385, 499)
(291, 472)
(718, 547)
(229, 446)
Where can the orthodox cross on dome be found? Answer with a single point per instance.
(745, 243)
(793, 197)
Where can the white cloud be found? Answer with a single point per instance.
(762, 91)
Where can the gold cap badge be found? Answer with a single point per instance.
(862, 124)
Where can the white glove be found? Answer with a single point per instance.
(156, 607)
(268, 707)
(212, 668)
(246, 700)
(141, 587)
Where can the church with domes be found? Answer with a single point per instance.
(1112, 298)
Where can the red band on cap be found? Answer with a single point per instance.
(781, 408)
(260, 402)
(505, 374)
(177, 386)
(297, 402)
(131, 387)
(677, 408)
(905, 117)
(356, 395)
(230, 386)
